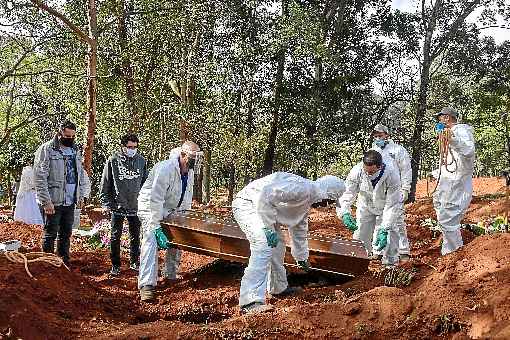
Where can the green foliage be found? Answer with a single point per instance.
(399, 277)
(345, 70)
(446, 323)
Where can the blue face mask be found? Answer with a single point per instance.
(440, 127)
(380, 142)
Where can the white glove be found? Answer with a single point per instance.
(405, 195)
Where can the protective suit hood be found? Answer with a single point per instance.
(396, 155)
(329, 187)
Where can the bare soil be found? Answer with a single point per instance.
(460, 296)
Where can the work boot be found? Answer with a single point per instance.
(115, 271)
(404, 257)
(255, 307)
(288, 291)
(134, 266)
(376, 257)
(147, 293)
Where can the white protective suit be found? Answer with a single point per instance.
(87, 188)
(398, 157)
(27, 210)
(277, 199)
(158, 198)
(380, 206)
(455, 189)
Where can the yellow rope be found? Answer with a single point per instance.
(444, 150)
(27, 258)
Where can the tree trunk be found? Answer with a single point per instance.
(505, 117)
(418, 129)
(197, 187)
(91, 89)
(126, 67)
(9, 190)
(206, 183)
(317, 111)
(91, 41)
(269, 154)
(421, 109)
(161, 133)
(249, 133)
(231, 182)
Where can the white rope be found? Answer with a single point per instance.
(31, 257)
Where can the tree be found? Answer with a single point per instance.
(439, 23)
(90, 39)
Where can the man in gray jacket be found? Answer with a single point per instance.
(59, 185)
(123, 175)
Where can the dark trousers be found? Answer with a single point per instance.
(59, 224)
(134, 238)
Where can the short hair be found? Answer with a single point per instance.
(372, 157)
(189, 146)
(67, 124)
(129, 137)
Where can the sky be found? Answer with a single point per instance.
(499, 34)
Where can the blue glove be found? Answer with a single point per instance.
(349, 221)
(382, 239)
(271, 237)
(163, 242)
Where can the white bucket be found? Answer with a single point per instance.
(77, 213)
(11, 245)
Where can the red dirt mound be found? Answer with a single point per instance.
(56, 304)
(29, 235)
(481, 186)
(468, 295)
(465, 294)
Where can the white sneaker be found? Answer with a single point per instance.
(404, 257)
(255, 307)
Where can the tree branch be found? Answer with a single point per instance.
(443, 40)
(17, 63)
(13, 68)
(8, 131)
(492, 26)
(79, 32)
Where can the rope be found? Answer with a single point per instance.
(444, 151)
(27, 258)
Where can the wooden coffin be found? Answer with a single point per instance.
(222, 238)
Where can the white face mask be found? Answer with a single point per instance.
(129, 152)
(374, 176)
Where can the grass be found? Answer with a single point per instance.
(446, 323)
(399, 277)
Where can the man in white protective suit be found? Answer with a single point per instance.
(376, 185)
(455, 187)
(168, 188)
(399, 158)
(260, 208)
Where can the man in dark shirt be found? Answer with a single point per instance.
(123, 175)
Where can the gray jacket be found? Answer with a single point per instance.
(121, 182)
(50, 173)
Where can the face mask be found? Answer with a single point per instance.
(66, 141)
(440, 127)
(129, 152)
(191, 163)
(380, 142)
(374, 176)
